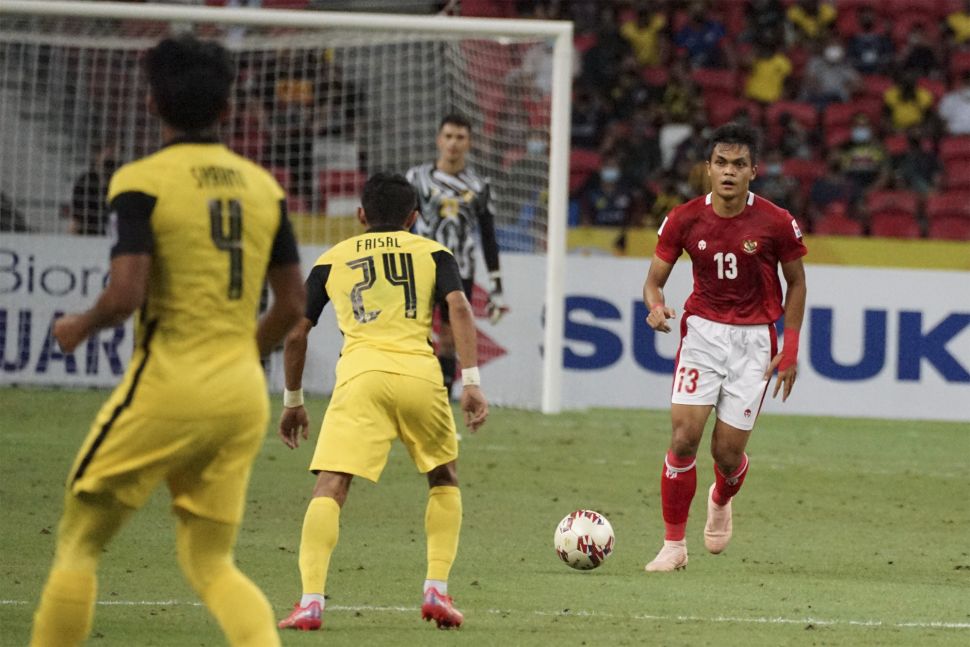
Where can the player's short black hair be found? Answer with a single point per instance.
(455, 119)
(388, 199)
(190, 81)
(738, 135)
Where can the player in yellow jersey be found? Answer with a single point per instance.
(198, 230)
(383, 285)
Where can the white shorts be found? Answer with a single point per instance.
(724, 365)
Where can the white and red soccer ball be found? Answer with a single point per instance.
(584, 539)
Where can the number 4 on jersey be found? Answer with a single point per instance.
(230, 241)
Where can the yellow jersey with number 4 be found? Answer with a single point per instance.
(212, 222)
(384, 284)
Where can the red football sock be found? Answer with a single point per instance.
(678, 482)
(726, 487)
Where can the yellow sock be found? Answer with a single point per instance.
(321, 529)
(442, 524)
(66, 610)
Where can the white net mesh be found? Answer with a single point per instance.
(320, 108)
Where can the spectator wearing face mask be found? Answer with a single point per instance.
(864, 159)
(829, 77)
(870, 49)
(906, 103)
(773, 184)
(954, 108)
(606, 202)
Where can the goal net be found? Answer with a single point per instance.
(321, 100)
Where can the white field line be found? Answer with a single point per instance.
(777, 620)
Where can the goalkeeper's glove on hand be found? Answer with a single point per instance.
(496, 302)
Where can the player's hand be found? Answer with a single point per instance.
(69, 331)
(786, 377)
(294, 423)
(657, 319)
(474, 406)
(496, 307)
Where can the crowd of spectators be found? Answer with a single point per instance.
(864, 106)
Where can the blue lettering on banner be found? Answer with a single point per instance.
(18, 358)
(645, 343)
(18, 275)
(873, 346)
(914, 346)
(607, 347)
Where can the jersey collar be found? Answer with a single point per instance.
(383, 228)
(750, 200)
(193, 139)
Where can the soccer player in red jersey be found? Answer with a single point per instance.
(728, 350)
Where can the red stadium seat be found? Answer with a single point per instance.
(955, 148)
(904, 25)
(956, 175)
(907, 201)
(805, 171)
(720, 110)
(838, 115)
(585, 41)
(959, 63)
(894, 223)
(837, 224)
(582, 164)
(875, 85)
(837, 137)
(342, 182)
(654, 76)
(948, 204)
(950, 228)
(804, 113)
(895, 144)
(723, 82)
(936, 87)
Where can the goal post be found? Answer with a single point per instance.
(369, 88)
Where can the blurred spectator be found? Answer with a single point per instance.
(906, 103)
(89, 209)
(794, 140)
(958, 24)
(811, 19)
(659, 199)
(829, 188)
(771, 183)
(601, 62)
(681, 96)
(606, 201)
(765, 23)
(919, 55)
(829, 77)
(702, 39)
(631, 91)
(864, 159)
(870, 49)
(769, 70)
(694, 148)
(640, 151)
(954, 108)
(588, 118)
(11, 220)
(525, 198)
(918, 167)
(646, 37)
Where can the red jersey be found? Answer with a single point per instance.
(735, 259)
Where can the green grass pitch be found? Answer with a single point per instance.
(847, 532)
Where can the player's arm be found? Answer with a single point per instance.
(497, 308)
(131, 263)
(787, 360)
(294, 421)
(653, 294)
(448, 288)
(289, 297)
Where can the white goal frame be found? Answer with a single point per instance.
(560, 32)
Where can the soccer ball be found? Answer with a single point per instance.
(584, 539)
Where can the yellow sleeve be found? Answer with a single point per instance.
(132, 177)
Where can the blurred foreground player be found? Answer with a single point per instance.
(198, 230)
(728, 350)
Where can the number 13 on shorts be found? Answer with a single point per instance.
(686, 380)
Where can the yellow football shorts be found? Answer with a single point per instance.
(206, 462)
(370, 410)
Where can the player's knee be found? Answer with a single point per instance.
(202, 568)
(443, 475)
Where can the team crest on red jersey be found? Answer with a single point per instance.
(749, 246)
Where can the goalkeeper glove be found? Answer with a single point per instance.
(496, 302)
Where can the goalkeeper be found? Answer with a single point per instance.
(452, 200)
